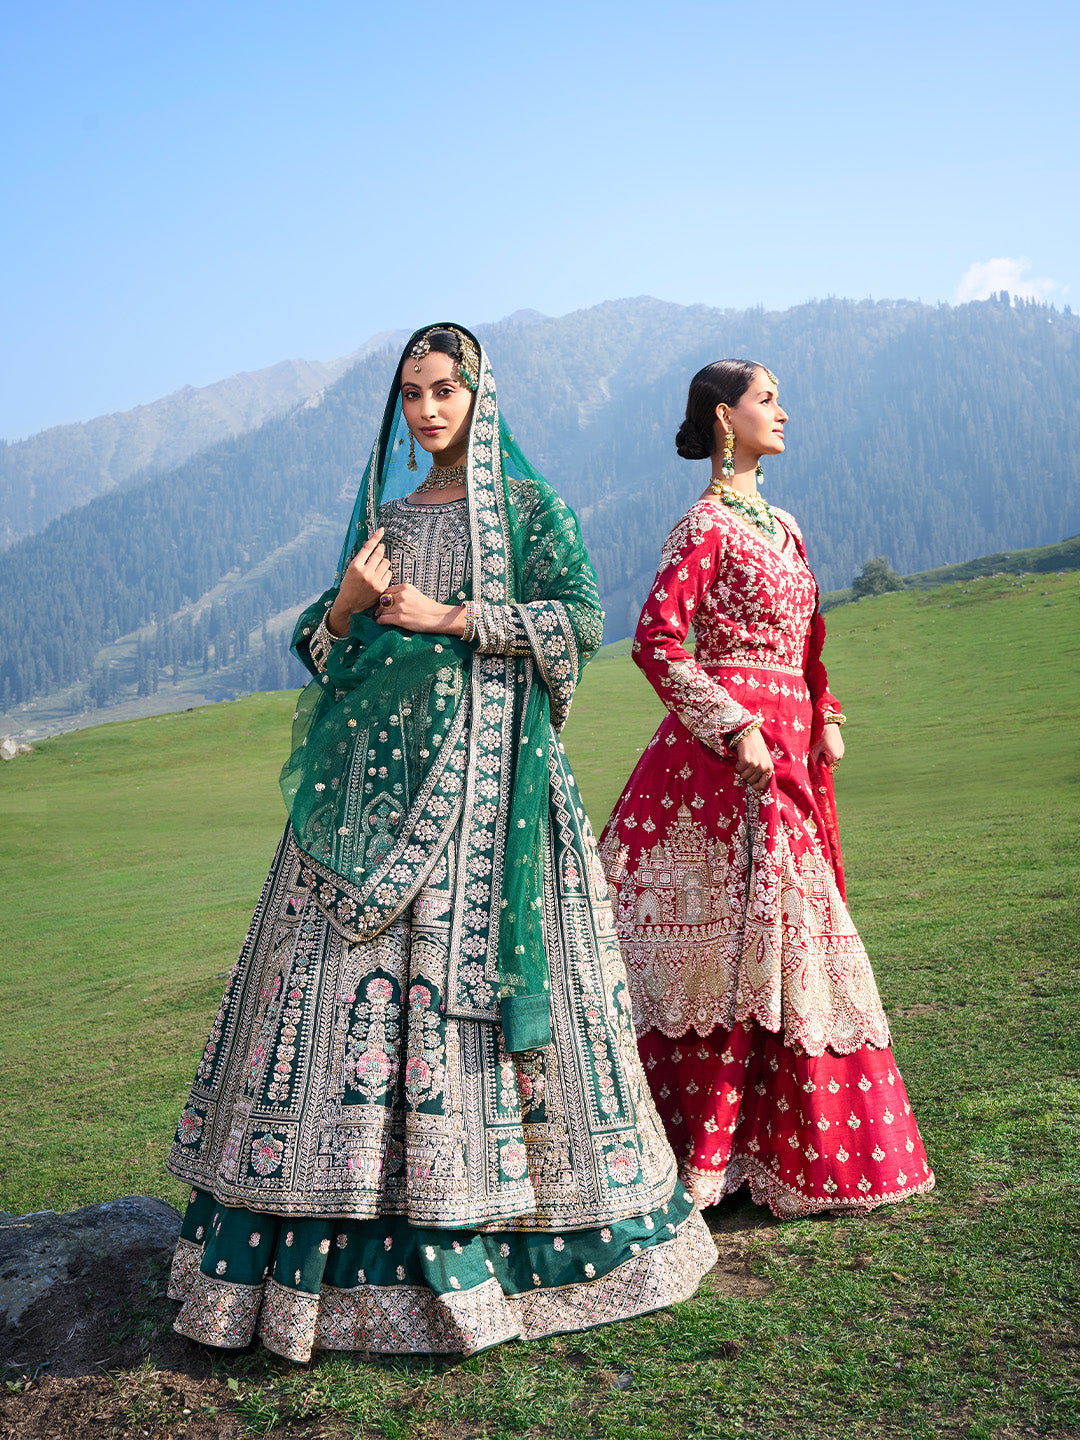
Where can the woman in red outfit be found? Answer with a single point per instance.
(758, 1019)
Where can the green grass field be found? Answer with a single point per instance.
(134, 852)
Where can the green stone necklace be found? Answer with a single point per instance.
(755, 507)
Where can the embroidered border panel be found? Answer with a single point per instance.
(414, 1319)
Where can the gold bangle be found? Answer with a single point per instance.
(732, 740)
(834, 717)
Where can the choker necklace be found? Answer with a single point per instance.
(442, 477)
(755, 508)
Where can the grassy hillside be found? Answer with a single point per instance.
(1039, 560)
(135, 851)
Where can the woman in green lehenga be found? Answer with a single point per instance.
(420, 1122)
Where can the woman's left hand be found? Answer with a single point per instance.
(829, 750)
(413, 610)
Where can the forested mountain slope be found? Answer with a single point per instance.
(54, 471)
(926, 434)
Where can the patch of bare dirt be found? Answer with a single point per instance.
(741, 1234)
(103, 1316)
(96, 1356)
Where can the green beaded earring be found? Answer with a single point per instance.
(727, 465)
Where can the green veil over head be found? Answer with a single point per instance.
(405, 740)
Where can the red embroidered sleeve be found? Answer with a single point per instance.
(688, 567)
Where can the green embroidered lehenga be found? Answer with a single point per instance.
(420, 1122)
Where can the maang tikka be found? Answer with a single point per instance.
(419, 350)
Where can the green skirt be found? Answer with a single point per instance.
(390, 1287)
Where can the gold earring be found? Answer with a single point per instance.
(727, 467)
(412, 451)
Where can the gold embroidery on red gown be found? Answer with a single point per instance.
(700, 951)
(758, 1019)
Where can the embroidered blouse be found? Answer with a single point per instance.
(751, 605)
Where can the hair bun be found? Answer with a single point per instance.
(691, 441)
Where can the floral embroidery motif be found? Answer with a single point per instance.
(190, 1127)
(425, 1074)
(513, 1159)
(623, 1164)
(372, 1047)
(530, 1070)
(266, 1155)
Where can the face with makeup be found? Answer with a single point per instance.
(758, 419)
(437, 406)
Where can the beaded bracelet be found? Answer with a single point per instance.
(469, 633)
(732, 741)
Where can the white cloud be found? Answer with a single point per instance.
(986, 277)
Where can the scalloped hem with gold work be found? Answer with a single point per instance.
(420, 1291)
(786, 1202)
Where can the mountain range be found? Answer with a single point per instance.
(927, 434)
(63, 467)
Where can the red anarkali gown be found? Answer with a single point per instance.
(758, 1019)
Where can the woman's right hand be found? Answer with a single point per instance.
(367, 577)
(753, 763)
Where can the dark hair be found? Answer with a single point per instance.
(724, 382)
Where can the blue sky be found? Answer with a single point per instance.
(195, 189)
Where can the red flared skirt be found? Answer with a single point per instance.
(806, 1133)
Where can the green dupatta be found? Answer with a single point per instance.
(388, 761)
